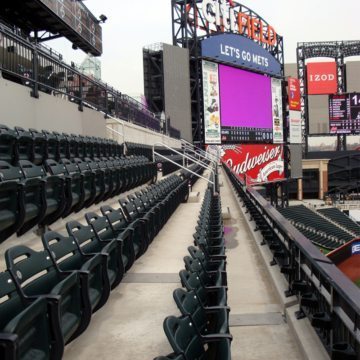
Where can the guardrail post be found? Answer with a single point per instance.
(35, 63)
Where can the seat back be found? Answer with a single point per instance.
(40, 147)
(55, 168)
(84, 235)
(129, 209)
(52, 145)
(8, 151)
(70, 167)
(9, 172)
(183, 337)
(64, 250)
(189, 304)
(25, 144)
(116, 218)
(30, 170)
(34, 268)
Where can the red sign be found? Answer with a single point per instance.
(294, 94)
(322, 78)
(257, 164)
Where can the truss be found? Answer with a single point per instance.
(338, 50)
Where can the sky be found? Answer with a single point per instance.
(131, 25)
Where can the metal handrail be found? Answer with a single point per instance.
(199, 151)
(183, 167)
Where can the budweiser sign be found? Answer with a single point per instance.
(257, 164)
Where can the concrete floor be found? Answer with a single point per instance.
(129, 326)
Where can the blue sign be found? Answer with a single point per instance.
(239, 50)
(355, 248)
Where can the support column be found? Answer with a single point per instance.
(300, 195)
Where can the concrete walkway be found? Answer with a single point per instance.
(256, 319)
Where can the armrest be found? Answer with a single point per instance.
(215, 337)
(10, 342)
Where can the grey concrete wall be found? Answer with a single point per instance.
(177, 89)
(353, 76)
(291, 70)
(318, 114)
(18, 108)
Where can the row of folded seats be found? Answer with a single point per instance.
(33, 194)
(37, 146)
(202, 330)
(47, 297)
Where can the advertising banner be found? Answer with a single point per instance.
(322, 78)
(277, 111)
(255, 164)
(355, 248)
(238, 50)
(211, 90)
(294, 94)
(295, 127)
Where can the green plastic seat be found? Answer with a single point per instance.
(28, 328)
(185, 340)
(208, 295)
(90, 244)
(206, 263)
(207, 278)
(42, 278)
(67, 256)
(34, 200)
(208, 320)
(117, 227)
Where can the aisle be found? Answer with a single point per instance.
(130, 325)
(256, 320)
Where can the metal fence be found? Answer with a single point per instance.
(43, 70)
(326, 296)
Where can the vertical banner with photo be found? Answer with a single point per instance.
(277, 111)
(212, 128)
(295, 136)
(294, 94)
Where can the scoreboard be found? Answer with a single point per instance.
(344, 113)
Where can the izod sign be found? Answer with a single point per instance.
(255, 164)
(222, 13)
(322, 78)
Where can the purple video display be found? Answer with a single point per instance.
(245, 99)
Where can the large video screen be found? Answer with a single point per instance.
(241, 106)
(344, 113)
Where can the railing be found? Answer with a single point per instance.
(212, 169)
(326, 296)
(43, 70)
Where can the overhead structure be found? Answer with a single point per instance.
(197, 20)
(50, 19)
(337, 50)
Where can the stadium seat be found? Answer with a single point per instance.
(117, 227)
(185, 340)
(206, 263)
(90, 244)
(25, 144)
(42, 278)
(74, 186)
(208, 295)
(33, 199)
(8, 147)
(88, 181)
(209, 320)
(40, 147)
(52, 146)
(102, 180)
(54, 191)
(64, 149)
(67, 256)
(207, 277)
(93, 182)
(29, 328)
